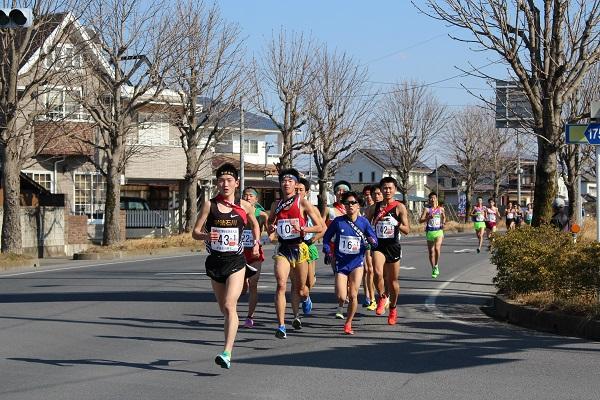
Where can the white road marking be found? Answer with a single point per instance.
(407, 268)
(88, 266)
(465, 251)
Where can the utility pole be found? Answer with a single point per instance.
(518, 171)
(437, 181)
(242, 177)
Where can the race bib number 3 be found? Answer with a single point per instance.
(247, 238)
(384, 230)
(285, 229)
(349, 244)
(228, 239)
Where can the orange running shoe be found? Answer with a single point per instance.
(382, 304)
(348, 329)
(393, 316)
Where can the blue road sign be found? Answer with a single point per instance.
(583, 134)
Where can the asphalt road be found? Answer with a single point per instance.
(150, 329)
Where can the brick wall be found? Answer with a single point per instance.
(77, 229)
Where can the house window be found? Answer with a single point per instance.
(153, 129)
(251, 146)
(372, 176)
(64, 56)
(360, 177)
(441, 182)
(42, 178)
(89, 194)
(62, 103)
(454, 183)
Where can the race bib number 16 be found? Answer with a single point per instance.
(349, 244)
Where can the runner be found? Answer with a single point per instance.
(491, 217)
(331, 213)
(510, 216)
(368, 284)
(518, 215)
(251, 285)
(529, 214)
(478, 214)
(390, 219)
(353, 237)
(377, 197)
(220, 224)
(288, 219)
(435, 218)
(303, 190)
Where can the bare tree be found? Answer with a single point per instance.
(31, 62)
(338, 109)
(468, 131)
(285, 73)
(133, 50)
(408, 120)
(207, 74)
(577, 110)
(550, 46)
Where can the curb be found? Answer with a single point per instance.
(33, 263)
(118, 255)
(545, 321)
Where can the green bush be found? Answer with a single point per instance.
(544, 259)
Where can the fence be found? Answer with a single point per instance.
(168, 219)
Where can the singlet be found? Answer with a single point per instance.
(528, 215)
(510, 214)
(247, 234)
(388, 227)
(332, 215)
(491, 215)
(229, 225)
(434, 223)
(284, 220)
(479, 214)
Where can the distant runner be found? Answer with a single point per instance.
(434, 217)
(368, 282)
(478, 214)
(492, 214)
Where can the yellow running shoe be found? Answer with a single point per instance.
(372, 306)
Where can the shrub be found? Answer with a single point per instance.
(544, 259)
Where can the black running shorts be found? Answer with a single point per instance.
(392, 252)
(220, 267)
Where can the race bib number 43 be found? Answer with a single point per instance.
(285, 229)
(349, 244)
(228, 239)
(247, 238)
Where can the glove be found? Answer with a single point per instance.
(327, 259)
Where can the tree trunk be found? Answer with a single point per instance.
(323, 194)
(468, 194)
(404, 192)
(190, 184)
(285, 161)
(112, 229)
(545, 183)
(11, 217)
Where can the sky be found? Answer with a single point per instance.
(392, 38)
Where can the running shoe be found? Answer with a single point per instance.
(382, 304)
(366, 303)
(393, 316)
(348, 329)
(435, 272)
(249, 323)
(372, 306)
(223, 360)
(307, 306)
(478, 250)
(280, 332)
(339, 315)
(297, 323)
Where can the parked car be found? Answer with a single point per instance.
(134, 203)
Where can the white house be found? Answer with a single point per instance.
(368, 166)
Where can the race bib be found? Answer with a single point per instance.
(285, 229)
(349, 244)
(435, 222)
(492, 217)
(247, 238)
(385, 229)
(479, 217)
(510, 216)
(228, 239)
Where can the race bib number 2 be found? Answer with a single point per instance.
(228, 239)
(285, 229)
(349, 244)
